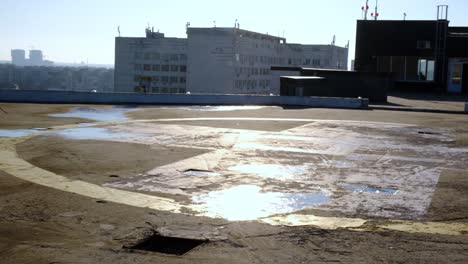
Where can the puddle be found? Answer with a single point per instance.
(200, 173)
(12, 133)
(274, 171)
(247, 202)
(86, 124)
(114, 114)
(361, 188)
(92, 133)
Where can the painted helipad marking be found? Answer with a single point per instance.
(12, 164)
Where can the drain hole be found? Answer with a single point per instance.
(427, 133)
(168, 245)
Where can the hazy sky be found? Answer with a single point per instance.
(80, 30)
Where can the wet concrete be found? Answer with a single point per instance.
(362, 188)
(95, 133)
(97, 114)
(369, 169)
(12, 133)
(249, 202)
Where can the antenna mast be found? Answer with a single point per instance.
(365, 10)
(376, 14)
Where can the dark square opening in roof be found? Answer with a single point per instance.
(168, 245)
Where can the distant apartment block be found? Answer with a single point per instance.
(214, 60)
(36, 58)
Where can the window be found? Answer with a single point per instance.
(156, 56)
(138, 67)
(156, 67)
(183, 68)
(174, 57)
(156, 79)
(183, 80)
(165, 68)
(174, 80)
(426, 70)
(316, 62)
(423, 44)
(147, 56)
(147, 67)
(174, 68)
(183, 57)
(456, 77)
(165, 57)
(138, 55)
(165, 79)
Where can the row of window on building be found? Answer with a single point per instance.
(161, 79)
(252, 71)
(251, 84)
(160, 90)
(153, 56)
(265, 60)
(160, 68)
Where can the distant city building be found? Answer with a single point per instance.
(36, 58)
(82, 79)
(214, 60)
(18, 57)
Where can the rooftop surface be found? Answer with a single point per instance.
(77, 183)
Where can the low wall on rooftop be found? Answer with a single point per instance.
(66, 97)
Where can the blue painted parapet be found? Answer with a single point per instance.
(66, 97)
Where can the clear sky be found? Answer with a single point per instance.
(80, 30)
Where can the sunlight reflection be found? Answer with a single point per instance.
(247, 202)
(275, 171)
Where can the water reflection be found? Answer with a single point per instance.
(274, 171)
(212, 108)
(247, 202)
(362, 188)
(12, 133)
(199, 173)
(91, 133)
(114, 114)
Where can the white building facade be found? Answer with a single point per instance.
(215, 61)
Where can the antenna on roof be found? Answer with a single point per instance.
(334, 40)
(376, 14)
(214, 23)
(235, 24)
(118, 30)
(404, 16)
(365, 10)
